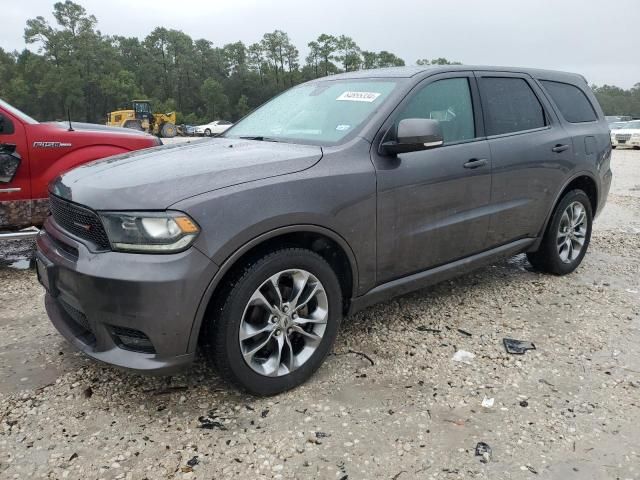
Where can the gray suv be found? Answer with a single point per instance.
(338, 193)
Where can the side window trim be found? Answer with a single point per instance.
(537, 92)
(475, 104)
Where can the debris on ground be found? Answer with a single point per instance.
(209, 423)
(487, 402)
(483, 450)
(194, 461)
(517, 347)
(463, 356)
(424, 328)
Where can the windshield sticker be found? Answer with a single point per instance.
(342, 128)
(358, 96)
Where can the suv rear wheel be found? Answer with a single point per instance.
(566, 240)
(277, 321)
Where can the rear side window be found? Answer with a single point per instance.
(571, 101)
(510, 105)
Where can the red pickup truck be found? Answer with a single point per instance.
(33, 153)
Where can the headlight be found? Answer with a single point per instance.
(149, 232)
(635, 135)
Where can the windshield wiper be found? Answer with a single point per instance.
(260, 138)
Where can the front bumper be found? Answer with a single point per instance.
(93, 296)
(625, 141)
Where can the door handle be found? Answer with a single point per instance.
(560, 148)
(475, 163)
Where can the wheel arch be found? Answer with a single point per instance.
(583, 181)
(327, 243)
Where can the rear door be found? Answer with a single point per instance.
(15, 205)
(433, 204)
(578, 112)
(530, 150)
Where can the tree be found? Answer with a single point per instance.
(348, 53)
(291, 55)
(313, 59)
(215, 99)
(327, 45)
(274, 45)
(242, 107)
(255, 54)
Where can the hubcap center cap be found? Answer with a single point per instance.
(285, 321)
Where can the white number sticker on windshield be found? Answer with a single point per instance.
(358, 96)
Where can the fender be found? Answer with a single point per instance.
(583, 173)
(231, 260)
(72, 159)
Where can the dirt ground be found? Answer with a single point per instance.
(570, 409)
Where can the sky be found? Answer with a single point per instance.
(596, 38)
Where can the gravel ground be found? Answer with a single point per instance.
(399, 409)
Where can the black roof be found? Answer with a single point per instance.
(407, 72)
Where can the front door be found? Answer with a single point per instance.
(433, 204)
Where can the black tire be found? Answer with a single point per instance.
(207, 133)
(168, 130)
(613, 147)
(547, 258)
(222, 330)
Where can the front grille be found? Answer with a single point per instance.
(623, 136)
(80, 221)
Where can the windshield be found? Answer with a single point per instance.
(17, 113)
(321, 113)
(629, 125)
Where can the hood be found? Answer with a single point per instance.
(157, 178)
(95, 127)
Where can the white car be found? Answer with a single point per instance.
(628, 135)
(213, 128)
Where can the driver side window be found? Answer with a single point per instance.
(449, 102)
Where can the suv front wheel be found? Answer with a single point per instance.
(276, 322)
(567, 237)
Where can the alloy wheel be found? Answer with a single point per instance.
(283, 322)
(572, 231)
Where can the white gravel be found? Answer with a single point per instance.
(569, 409)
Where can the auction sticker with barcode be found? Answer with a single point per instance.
(358, 96)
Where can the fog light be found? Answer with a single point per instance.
(130, 339)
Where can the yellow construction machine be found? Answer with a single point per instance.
(140, 117)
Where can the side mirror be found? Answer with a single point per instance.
(9, 162)
(415, 134)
